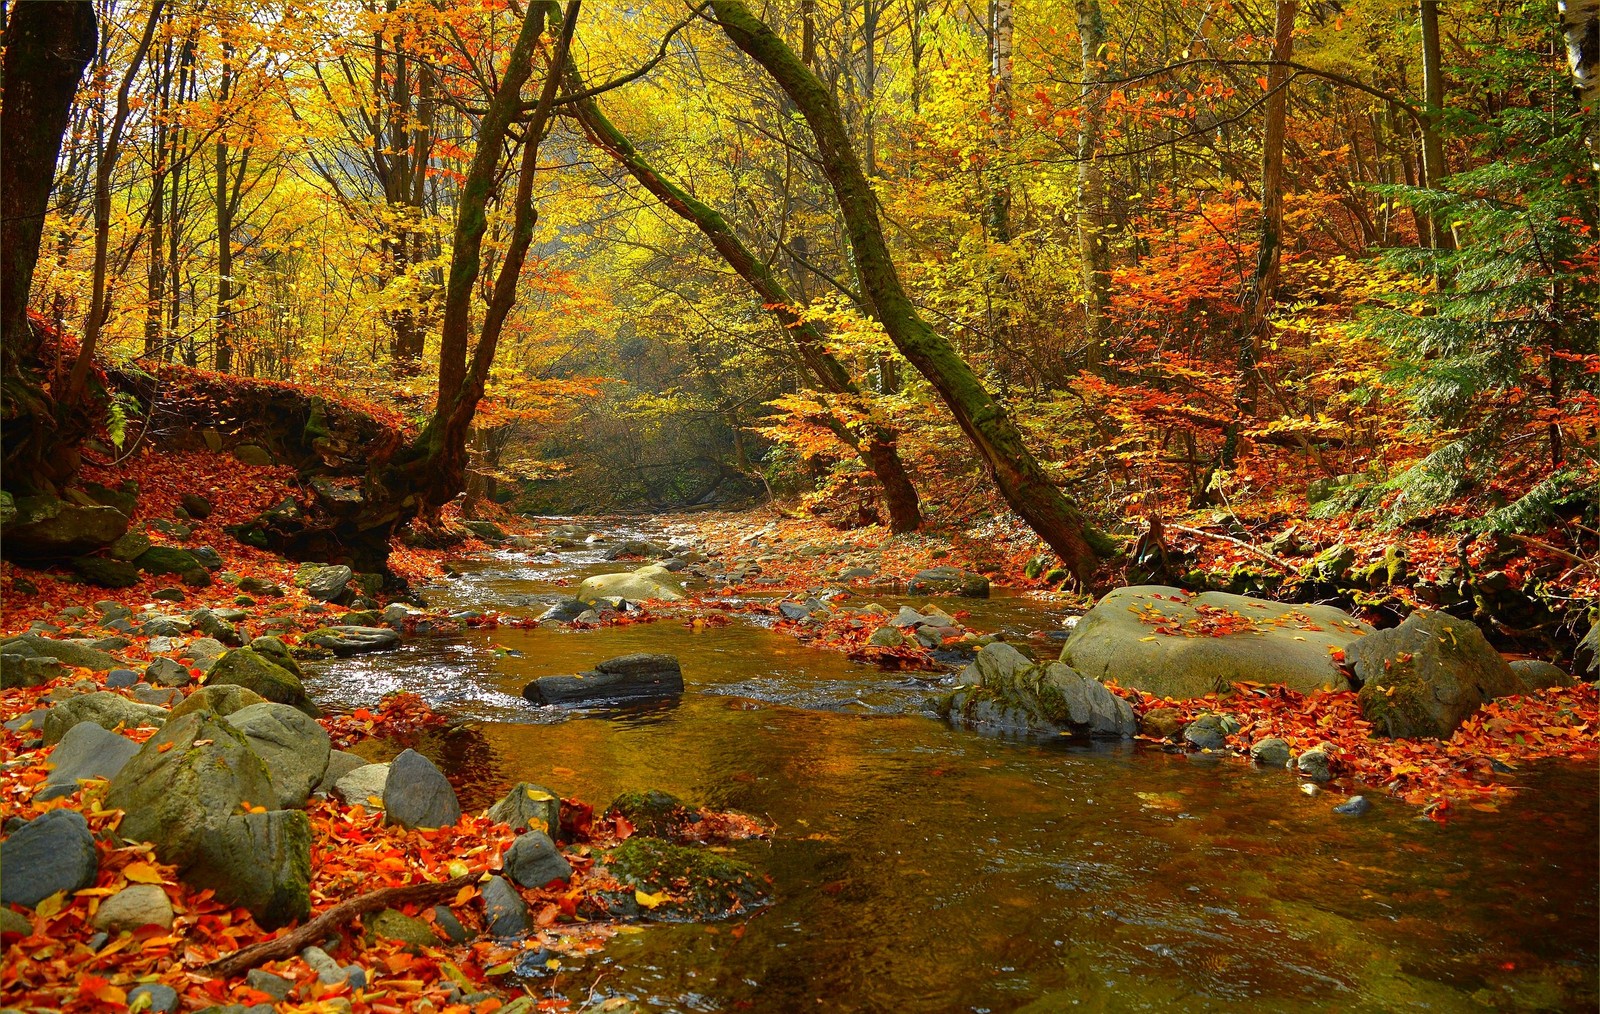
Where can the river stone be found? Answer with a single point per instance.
(1208, 732)
(363, 786)
(703, 885)
(1118, 640)
(17, 671)
(1537, 674)
(645, 583)
(103, 708)
(886, 637)
(1271, 753)
(155, 997)
(565, 610)
(997, 663)
(121, 679)
(173, 798)
(277, 653)
(1423, 678)
(294, 748)
(65, 652)
(246, 667)
(949, 581)
(533, 860)
(1161, 723)
(165, 626)
(390, 924)
(45, 527)
(505, 914)
(132, 907)
(53, 852)
(167, 560)
(167, 672)
(653, 812)
(528, 806)
(203, 649)
(417, 794)
(1355, 807)
(161, 697)
(259, 861)
(85, 751)
(106, 572)
(628, 678)
(325, 582)
(1315, 764)
(1040, 700)
(340, 764)
(216, 628)
(219, 700)
(351, 640)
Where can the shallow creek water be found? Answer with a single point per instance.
(916, 868)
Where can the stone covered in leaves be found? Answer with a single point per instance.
(674, 883)
(249, 668)
(1426, 676)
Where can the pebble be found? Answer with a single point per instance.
(1356, 806)
(162, 999)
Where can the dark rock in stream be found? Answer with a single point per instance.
(671, 883)
(1356, 806)
(638, 677)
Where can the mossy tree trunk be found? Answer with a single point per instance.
(1020, 478)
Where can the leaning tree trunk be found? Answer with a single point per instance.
(1022, 481)
(878, 447)
(47, 47)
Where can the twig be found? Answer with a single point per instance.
(1537, 544)
(1263, 554)
(319, 928)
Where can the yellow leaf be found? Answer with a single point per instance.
(1152, 637)
(457, 868)
(650, 900)
(51, 906)
(142, 873)
(504, 969)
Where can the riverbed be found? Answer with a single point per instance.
(916, 868)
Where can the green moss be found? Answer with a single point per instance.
(699, 883)
(1396, 703)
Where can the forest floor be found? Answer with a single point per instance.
(55, 961)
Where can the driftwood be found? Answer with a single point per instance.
(1261, 553)
(318, 929)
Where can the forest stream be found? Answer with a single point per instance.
(919, 868)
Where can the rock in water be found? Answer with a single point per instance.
(1271, 753)
(1423, 678)
(173, 797)
(351, 640)
(86, 751)
(417, 794)
(53, 852)
(249, 668)
(103, 708)
(1160, 640)
(259, 861)
(949, 581)
(295, 749)
(1035, 700)
(134, 906)
(646, 583)
(1356, 806)
(528, 806)
(505, 914)
(697, 883)
(533, 860)
(628, 678)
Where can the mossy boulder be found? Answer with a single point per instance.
(528, 806)
(167, 560)
(681, 884)
(652, 812)
(221, 700)
(1012, 696)
(106, 572)
(248, 668)
(45, 527)
(1423, 678)
(390, 924)
(260, 862)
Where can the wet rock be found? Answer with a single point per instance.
(488, 531)
(794, 610)
(640, 585)
(45, 527)
(294, 747)
(652, 812)
(249, 668)
(259, 861)
(528, 806)
(153, 997)
(340, 764)
(134, 906)
(53, 852)
(908, 618)
(1315, 764)
(105, 709)
(1271, 753)
(1537, 674)
(352, 640)
(417, 794)
(1038, 700)
(325, 582)
(18, 671)
(505, 914)
(1426, 676)
(37, 646)
(1355, 807)
(700, 884)
(886, 637)
(533, 860)
(85, 751)
(636, 548)
(949, 581)
(628, 678)
(390, 924)
(1271, 642)
(1161, 723)
(1208, 732)
(565, 611)
(363, 786)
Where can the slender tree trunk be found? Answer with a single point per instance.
(878, 446)
(186, 85)
(1000, 113)
(222, 352)
(1264, 280)
(1093, 249)
(156, 257)
(1017, 473)
(1433, 164)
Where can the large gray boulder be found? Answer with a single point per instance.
(17, 671)
(324, 582)
(949, 581)
(249, 668)
(1423, 678)
(363, 786)
(47, 528)
(639, 585)
(352, 640)
(223, 699)
(417, 794)
(53, 852)
(533, 860)
(65, 652)
(259, 861)
(1049, 699)
(105, 709)
(1168, 642)
(528, 806)
(172, 797)
(628, 678)
(86, 751)
(294, 747)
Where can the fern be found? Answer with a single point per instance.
(1539, 507)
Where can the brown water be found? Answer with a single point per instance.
(920, 869)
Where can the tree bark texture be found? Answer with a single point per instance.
(1093, 222)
